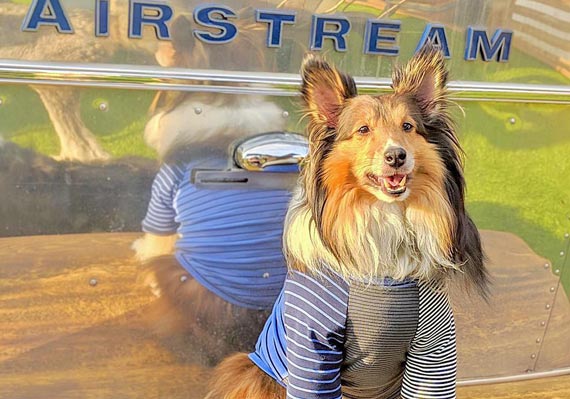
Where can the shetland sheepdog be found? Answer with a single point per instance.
(381, 192)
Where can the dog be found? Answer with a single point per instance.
(372, 236)
(212, 257)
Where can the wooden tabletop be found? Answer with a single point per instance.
(77, 322)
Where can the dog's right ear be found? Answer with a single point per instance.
(324, 90)
(425, 78)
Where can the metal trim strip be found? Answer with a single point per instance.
(261, 83)
(513, 378)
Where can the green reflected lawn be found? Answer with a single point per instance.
(118, 129)
(517, 173)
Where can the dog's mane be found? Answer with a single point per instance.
(466, 249)
(358, 236)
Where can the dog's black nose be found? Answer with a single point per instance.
(395, 157)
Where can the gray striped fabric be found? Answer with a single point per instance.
(332, 338)
(381, 323)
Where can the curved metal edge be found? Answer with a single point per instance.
(261, 83)
(513, 378)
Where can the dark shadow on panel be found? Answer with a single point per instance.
(43, 196)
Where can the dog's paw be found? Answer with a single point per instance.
(139, 247)
(150, 246)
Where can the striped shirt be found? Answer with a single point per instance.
(329, 338)
(230, 240)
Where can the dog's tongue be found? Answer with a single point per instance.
(395, 180)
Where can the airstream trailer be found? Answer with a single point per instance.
(97, 96)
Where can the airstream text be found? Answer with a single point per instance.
(379, 34)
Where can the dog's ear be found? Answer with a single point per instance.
(324, 90)
(425, 78)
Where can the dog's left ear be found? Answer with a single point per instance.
(425, 78)
(324, 90)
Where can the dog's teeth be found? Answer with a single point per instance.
(386, 184)
(403, 181)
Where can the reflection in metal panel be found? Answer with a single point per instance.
(511, 151)
(535, 33)
(77, 165)
(502, 338)
(287, 85)
(271, 151)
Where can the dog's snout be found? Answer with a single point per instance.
(395, 157)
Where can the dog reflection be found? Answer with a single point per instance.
(213, 257)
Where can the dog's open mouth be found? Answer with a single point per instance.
(392, 185)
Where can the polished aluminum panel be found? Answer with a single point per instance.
(276, 84)
(78, 155)
(555, 351)
(540, 50)
(516, 162)
(503, 337)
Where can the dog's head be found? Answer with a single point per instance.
(386, 145)
(397, 149)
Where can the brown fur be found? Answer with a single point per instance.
(344, 171)
(238, 378)
(189, 311)
(338, 217)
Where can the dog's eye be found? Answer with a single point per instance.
(364, 130)
(407, 126)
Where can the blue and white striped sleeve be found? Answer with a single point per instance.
(431, 366)
(160, 214)
(314, 316)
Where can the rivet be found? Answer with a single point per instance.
(538, 340)
(561, 253)
(93, 282)
(108, 178)
(546, 265)
(512, 120)
(533, 356)
(197, 110)
(265, 275)
(566, 235)
(542, 323)
(547, 306)
(285, 114)
(557, 271)
(183, 278)
(103, 107)
(552, 289)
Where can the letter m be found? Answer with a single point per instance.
(499, 47)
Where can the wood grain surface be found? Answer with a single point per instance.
(77, 322)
